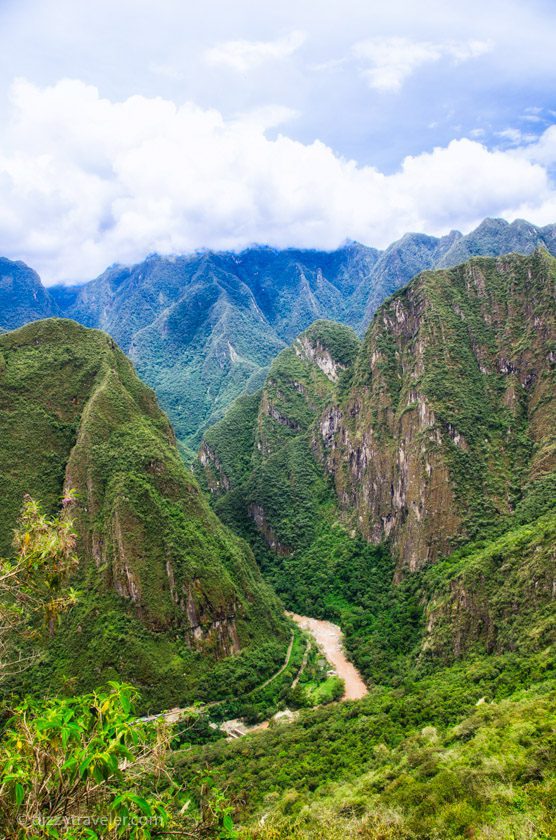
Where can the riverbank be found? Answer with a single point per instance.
(329, 638)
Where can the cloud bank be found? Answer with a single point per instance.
(85, 182)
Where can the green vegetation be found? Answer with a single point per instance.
(402, 488)
(302, 681)
(65, 758)
(449, 416)
(457, 735)
(33, 585)
(314, 564)
(165, 589)
(468, 751)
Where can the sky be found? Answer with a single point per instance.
(129, 127)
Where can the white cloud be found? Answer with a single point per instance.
(543, 149)
(514, 136)
(247, 55)
(166, 70)
(388, 62)
(85, 182)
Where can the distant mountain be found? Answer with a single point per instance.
(23, 298)
(166, 591)
(202, 329)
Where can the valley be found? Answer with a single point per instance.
(393, 494)
(277, 420)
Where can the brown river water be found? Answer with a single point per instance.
(329, 638)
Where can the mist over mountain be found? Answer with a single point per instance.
(203, 328)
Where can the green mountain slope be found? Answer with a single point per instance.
(448, 425)
(439, 433)
(469, 752)
(167, 590)
(457, 736)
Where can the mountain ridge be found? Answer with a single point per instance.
(203, 328)
(358, 490)
(166, 591)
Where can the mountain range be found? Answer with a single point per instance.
(401, 485)
(204, 328)
(404, 487)
(359, 466)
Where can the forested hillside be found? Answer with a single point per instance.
(166, 590)
(391, 485)
(408, 495)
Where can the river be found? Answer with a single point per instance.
(329, 638)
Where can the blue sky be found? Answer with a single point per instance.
(128, 127)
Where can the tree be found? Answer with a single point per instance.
(33, 591)
(77, 767)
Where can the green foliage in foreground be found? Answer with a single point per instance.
(468, 752)
(62, 769)
(85, 768)
(490, 776)
(33, 585)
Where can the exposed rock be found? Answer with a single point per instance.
(317, 353)
(257, 514)
(216, 478)
(422, 400)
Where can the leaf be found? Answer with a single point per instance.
(141, 803)
(84, 765)
(19, 794)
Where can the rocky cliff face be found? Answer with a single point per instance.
(448, 419)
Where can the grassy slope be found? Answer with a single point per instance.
(461, 744)
(72, 410)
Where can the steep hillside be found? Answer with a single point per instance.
(439, 434)
(468, 753)
(259, 464)
(203, 329)
(23, 298)
(448, 423)
(166, 589)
